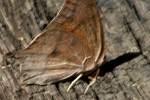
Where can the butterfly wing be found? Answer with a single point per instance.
(59, 51)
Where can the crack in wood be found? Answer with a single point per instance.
(128, 26)
(133, 7)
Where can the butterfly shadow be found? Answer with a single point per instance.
(112, 64)
(109, 66)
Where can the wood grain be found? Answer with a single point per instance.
(126, 32)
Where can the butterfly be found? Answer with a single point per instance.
(72, 44)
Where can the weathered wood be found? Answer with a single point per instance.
(125, 76)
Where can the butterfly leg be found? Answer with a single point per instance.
(93, 80)
(80, 75)
(83, 62)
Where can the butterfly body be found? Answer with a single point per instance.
(71, 44)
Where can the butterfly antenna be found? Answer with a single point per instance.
(74, 81)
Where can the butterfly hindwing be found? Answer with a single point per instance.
(59, 51)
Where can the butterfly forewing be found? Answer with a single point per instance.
(59, 51)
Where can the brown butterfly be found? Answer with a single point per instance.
(72, 44)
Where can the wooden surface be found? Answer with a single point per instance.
(126, 74)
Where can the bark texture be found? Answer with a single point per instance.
(125, 75)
